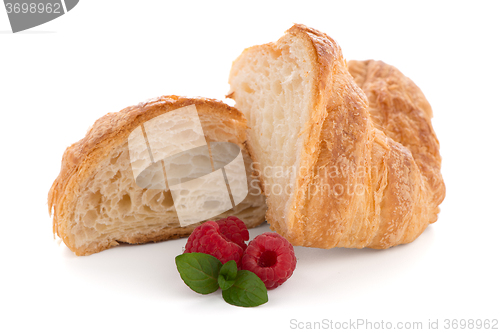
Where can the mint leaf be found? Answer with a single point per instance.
(227, 274)
(199, 271)
(248, 290)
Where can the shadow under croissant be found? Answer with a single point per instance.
(343, 272)
(149, 269)
(146, 270)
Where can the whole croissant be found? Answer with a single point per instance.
(357, 170)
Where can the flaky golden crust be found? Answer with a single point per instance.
(81, 160)
(369, 172)
(335, 136)
(399, 109)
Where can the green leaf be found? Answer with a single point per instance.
(227, 274)
(248, 290)
(199, 271)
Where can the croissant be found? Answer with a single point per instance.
(98, 202)
(340, 165)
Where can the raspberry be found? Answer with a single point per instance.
(208, 239)
(235, 230)
(271, 257)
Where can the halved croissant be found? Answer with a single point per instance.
(96, 201)
(338, 169)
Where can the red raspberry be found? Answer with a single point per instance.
(271, 257)
(208, 239)
(235, 230)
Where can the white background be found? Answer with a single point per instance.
(58, 78)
